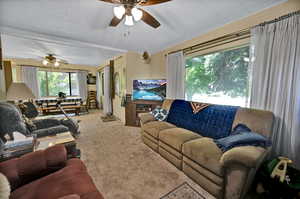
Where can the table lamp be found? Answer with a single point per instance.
(19, 92)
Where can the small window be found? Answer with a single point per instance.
(219, 78)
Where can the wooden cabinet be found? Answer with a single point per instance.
(133, 108)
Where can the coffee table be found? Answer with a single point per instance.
(62, 138)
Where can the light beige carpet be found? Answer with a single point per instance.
(121, 166)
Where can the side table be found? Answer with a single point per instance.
(62, 138)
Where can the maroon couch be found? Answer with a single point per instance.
(49, 175)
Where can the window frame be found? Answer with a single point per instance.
(69, 79)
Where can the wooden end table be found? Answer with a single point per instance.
(62, 138)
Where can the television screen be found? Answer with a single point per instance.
(149, 89)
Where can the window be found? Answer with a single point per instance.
(219, 78)
(51, 83)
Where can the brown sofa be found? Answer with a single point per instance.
(224, 175)
(49, 175)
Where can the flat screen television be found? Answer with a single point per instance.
(149, 89)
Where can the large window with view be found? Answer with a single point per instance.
(51, 83)
(219, 78)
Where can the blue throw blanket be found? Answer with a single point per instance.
(214, 121)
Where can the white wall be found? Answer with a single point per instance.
(137, 69)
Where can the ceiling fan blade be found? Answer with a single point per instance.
(115, 21)
(111, 1)
(149, 19)
(152, 2)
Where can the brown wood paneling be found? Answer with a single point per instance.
(7, 74)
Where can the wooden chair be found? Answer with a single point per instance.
(92, 102)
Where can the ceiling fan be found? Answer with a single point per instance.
(51, 59)
(131, 11)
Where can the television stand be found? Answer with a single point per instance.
(135, 107)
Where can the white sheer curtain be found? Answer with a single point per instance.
(276, 81)
(175, 76)
(107, 105)
(82, 84)
(29, 77)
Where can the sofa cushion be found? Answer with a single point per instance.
(72, 179)
(176, 137)
(206, 153)
(153, 128)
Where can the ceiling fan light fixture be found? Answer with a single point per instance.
(45, 62)
(137, 14)
(129, 20)
(119, 11)
(56, 64)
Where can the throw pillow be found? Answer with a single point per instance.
(242, 139)
(160, 114)
(4, 187)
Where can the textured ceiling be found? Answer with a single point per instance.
(78, 31)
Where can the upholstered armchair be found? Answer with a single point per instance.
(48, 174)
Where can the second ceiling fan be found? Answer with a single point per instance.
(129, 9)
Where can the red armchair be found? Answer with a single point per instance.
(49, 175)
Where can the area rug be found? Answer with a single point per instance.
(184, 191)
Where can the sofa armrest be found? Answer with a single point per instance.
(248, 156)
(32, 166)
(146, 117)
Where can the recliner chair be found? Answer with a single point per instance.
(31, 112)
(11, 120)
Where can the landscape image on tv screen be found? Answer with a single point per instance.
(149, 89)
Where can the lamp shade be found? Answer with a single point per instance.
(137, 14)
(19, 91)
(129, 20)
